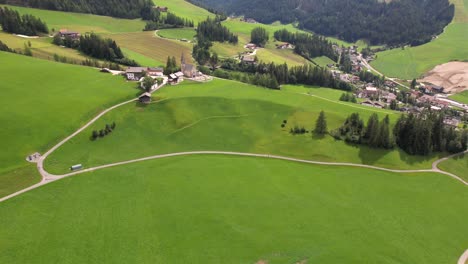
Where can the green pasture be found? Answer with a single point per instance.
(83, 22)
(323, 61)
(223, 209)
(177, 33)
(412, 62)
(230, 116)
(457, 165)
(185, 9)
(460, 97)
(142, 59)
(42, 102)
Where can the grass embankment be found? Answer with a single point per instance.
(230, 116)
(457, 165)
(222, 209)
(147, 44)
(412, 62)
(178, 33)
(43, 102)
(185, 9)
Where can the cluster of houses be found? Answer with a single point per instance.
(161, 8)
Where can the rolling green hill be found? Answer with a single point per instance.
(41, 103)
(230, 116)
(185, 9)
(221, 209)
(412, 62)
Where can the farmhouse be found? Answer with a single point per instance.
(135, 73)
(248, 59)
(63, 33)
(162, 8)
(145, 98)
(250, 46)
(176, 78)
(373, 104)
(285, 46)
(155, 72)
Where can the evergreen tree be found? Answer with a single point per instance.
(321, 124)
(259, 36)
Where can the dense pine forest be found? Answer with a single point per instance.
(398, 22)
(12, 22)
(115, 8)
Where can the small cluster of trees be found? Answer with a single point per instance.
(296, 130)
(307, 45)
(103, 132)
(347, 97)
(97, 47)
(424, 133)
(12, 22)
(212, 30)
(155, 20)
(369, 77)
(306, 74)
(171, 66)
(376, 134)
(259, 36)
(321, 127)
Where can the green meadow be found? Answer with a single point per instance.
(42, 102)
(178, 33)
(229, 116)
(323, 61)
(457, 165)
(222, 209)
(83, 22)
(412, 62)
(460, 97)
(185, 9)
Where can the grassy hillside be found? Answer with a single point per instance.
(414, 61)
(457, 166)
(178, 33)
(41, 103)
(185, 9)
(152, 47)
(83, 22)
(225, 115)
(217, 209)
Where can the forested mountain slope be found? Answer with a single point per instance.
(115, 8)
(394, 23)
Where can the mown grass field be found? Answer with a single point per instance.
(412, 62)
(185, 9)
(152, 47)
(460, 97)
(323, 61)
(178, 33)
(83, 22)
(220, 209)
(231, 116)
(457, 165)
(43, 102)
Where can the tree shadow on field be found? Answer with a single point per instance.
(368, 155)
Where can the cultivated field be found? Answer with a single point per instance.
(149, 45)
(413, 62)
(42, 102)
(185, 9)
(83, 22)
(229, 116)
(221, 209)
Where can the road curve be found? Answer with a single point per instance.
(464, 258)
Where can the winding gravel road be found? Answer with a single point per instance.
(47, 177)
